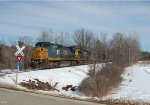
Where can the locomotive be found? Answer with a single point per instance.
(50, 55)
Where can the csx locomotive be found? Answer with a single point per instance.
(49, 55)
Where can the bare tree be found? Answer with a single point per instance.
(83, 38)
(9, 56)
(125, 49)
(2, 59)
(63, 39)
(45, 36)
(133, 47)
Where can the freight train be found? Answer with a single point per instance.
(50, 55)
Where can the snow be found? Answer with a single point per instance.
(64, 76)
(135, 85)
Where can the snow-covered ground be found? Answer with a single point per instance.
(64, 76)
(135, 85)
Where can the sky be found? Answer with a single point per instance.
(20, 18)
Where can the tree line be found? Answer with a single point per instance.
(121, 48)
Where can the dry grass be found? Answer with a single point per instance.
(100, 84)
(2, 66)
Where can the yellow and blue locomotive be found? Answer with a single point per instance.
(50, 55)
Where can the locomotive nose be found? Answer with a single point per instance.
(39, 53)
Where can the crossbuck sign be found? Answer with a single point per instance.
(19, 55)
(20, 50)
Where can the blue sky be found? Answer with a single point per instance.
(31, 17)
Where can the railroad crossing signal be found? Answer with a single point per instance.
(20, 50)
(19, 55)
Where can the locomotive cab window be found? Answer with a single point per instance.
(58, 52)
